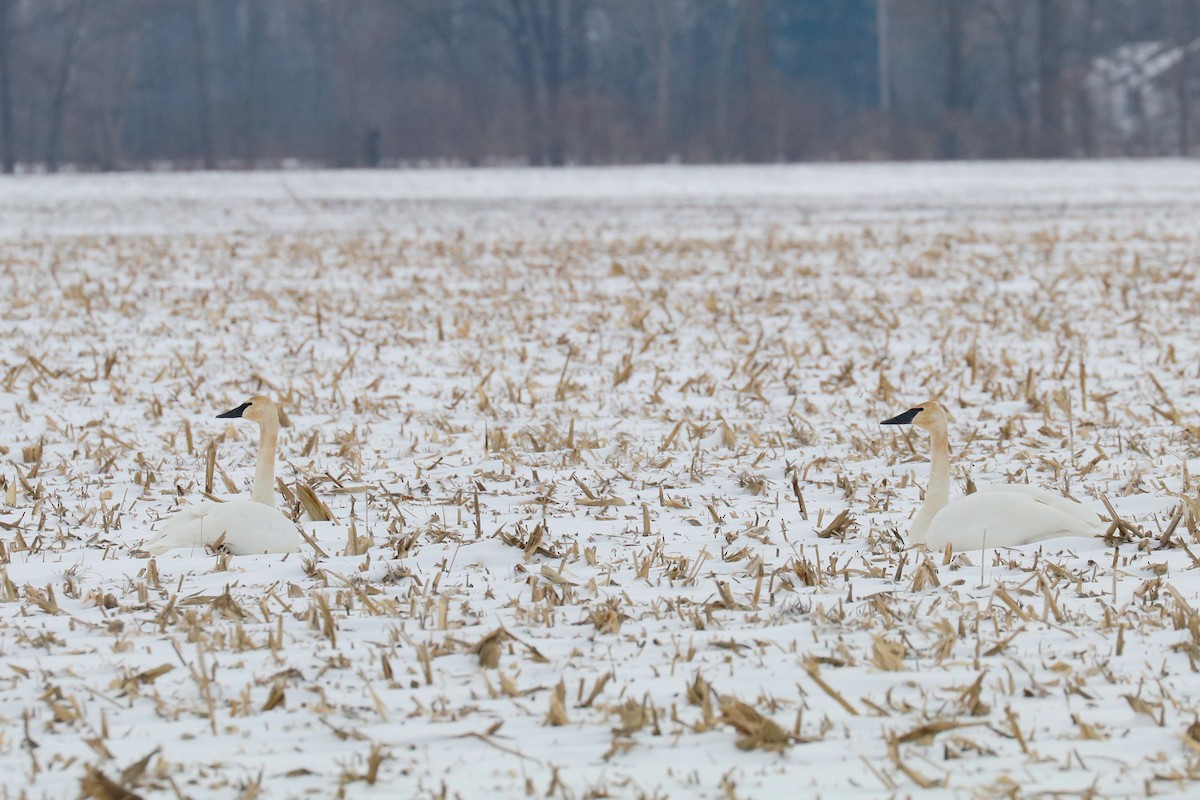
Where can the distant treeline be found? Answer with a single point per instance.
(112, 84)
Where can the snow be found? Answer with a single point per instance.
(564, 412)
(409, 201)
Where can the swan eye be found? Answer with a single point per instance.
(903, 419)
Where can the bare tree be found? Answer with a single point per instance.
(542, 35)
(343, 82)
(664, 27)
(1184, 15)
(7, 153)
(519, 26)
(759, 123)
(1009, 21)
(1084, 113)
(73, 25)
(443, 20)
(955, 88)
(204, 119)
(576, 73)
(547, 26)
(253, 114)
(1049, 57)
(728, 35)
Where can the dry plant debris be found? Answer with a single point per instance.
(594, 493)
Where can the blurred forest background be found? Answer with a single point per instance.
(113, 84)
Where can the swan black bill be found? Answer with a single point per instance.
(903, 419)
(234, 413)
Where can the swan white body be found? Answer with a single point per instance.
(997, 516)
(243, 526)
(248, 527)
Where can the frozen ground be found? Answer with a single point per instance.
(561, 419)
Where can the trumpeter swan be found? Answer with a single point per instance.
(998, 516)
(242, 526)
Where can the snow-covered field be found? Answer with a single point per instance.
(561, 419)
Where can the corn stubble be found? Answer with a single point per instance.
(570, 481)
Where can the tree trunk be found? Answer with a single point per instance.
(521, 33)
(1083, 100)
(1049, 46)
(549, 20)
(1009, 19)
(1186, 27)
(252, 99)
(883, 55)
(954, 100)
(662, 81)
(758, 125)
(724, 150)
(58, 103)
(7, 154)
(577, 78)
(439, 20)
(203, 85)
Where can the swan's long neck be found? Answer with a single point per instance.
(263, 490)
(937, 493)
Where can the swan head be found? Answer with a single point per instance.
(258, 409)
(928, 415)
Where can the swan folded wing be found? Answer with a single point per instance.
(182, 529)
(245, 527)
(254, 527)
(1006, 517)
(1085, 515)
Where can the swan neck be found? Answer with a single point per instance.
(263, 490)
(937, 493)
(939, 468)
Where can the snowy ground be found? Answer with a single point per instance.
(561, 419)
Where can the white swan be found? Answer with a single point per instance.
(998, 516)
(242, 526)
